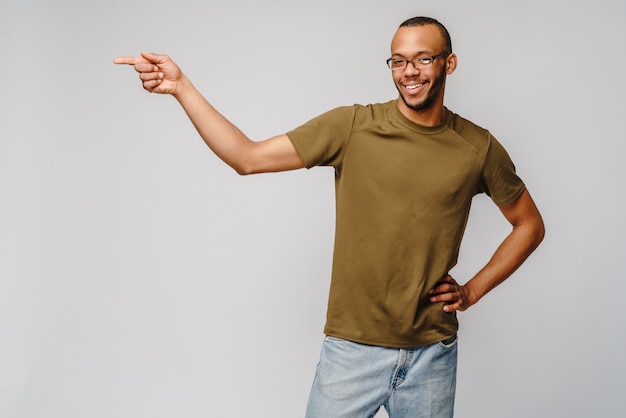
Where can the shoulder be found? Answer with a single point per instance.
(359, 116)
(477, 137)
(373, 114)
(465, 127)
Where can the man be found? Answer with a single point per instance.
(406, 172)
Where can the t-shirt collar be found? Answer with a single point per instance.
(420, 128)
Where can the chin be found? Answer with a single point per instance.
(427, 103)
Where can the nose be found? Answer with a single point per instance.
(411, 68)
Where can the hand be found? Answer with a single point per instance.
(158, 73)
(453, 294)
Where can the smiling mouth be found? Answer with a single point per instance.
(412, 87)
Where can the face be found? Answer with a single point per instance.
(421, 89)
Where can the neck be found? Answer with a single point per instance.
(432, 116)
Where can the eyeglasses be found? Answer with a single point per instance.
(399, 64)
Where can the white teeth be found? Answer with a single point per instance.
(414, 86)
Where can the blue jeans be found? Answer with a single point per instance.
(354, 380)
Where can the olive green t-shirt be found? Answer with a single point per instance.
(403, 195)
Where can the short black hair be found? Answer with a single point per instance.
(423, 20)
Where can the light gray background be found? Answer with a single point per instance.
(140, 277)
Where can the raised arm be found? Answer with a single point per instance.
(527, 234)
(159, 74)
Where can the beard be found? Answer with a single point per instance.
(435, 87)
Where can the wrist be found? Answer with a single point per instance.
(473, 294)
(183, 88)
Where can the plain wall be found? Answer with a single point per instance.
(141, 277)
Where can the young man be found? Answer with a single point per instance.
(406, 172)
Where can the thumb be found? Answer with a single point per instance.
(153, 58)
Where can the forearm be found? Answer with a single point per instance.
(527, 234)
(222, 137)
(514, 250)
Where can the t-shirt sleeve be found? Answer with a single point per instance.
(323, 140)
(499, 179)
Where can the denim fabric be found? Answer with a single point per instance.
(354, 380)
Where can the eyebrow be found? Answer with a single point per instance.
(417, 54)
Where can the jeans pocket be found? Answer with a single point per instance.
(450, 342)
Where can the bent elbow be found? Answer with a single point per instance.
(538, 233)
(541, 232)
(244, 169)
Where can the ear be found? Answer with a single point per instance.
(451, 63)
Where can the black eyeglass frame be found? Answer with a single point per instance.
(432, 59)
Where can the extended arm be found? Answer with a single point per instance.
(159, 74)
(527, 234)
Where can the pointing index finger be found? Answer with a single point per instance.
(128, 60)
